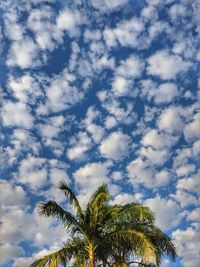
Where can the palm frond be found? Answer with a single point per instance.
(163, 243)
(140, 243)
(73, 248)
(72, 197)
(52, 209)
(96, 205)
(55, 259)
(100, 196)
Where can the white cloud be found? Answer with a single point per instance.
(196, 148)
(8, 252)
(11, 194)
(166, 93)
(21, 141)
(25, 88)
(47, 34)
(13, 29)
(141, 172)
(110, 122)
(185, 199)
(115, 146)
(121, 86)
(168, 213)
(157, 157)
(194, 215)
(16, 114)
(89, 177)
(126, 33)
(22, 262)
(192, 129)
(160, 94)
(79, 146)
(187, 243)
(125, 198)
(170, 120)
(166, 66)
(108, 4)
(132, 67)
(123, 114)
(61, 95)
(185, 169)
(158, 140)
(96, 130)
(24, 54)
(68, 20)
(116, 176)
(191, 184)
(32, 171)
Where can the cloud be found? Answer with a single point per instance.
(89, 177)
(125, 33)
(25, 88)
(166, 93)
(16, 114)
(23, 54)
(121, 86)
(192, 129)
(8, 252)
(167, 211)
(185, 170)
(108, 4)
(194, 215)
(22, 262)
(187, 242)
(170, 120)
(132, 67)
(185, 199)
(46, 33)
(11, 194)
(80, 145)
(191, 183)
(68, 20)
(32, 171)
(166, 65)
(125, 198)
(157, 157)
(115, 146)
(160, 94)
(141, 172)
(61, 94)
(158, 140)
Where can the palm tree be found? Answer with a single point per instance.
(103, 234)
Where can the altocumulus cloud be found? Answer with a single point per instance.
(106, 91)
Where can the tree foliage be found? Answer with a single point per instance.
(104, 234)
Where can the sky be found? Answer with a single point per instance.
(99, 91)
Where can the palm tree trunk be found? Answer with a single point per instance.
(91, 256)
(121, 264)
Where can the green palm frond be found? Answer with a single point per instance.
(100, 196)
(163, 243)
(55, 259)
(52, 209)
(73, 248)
(72, 197)
(139, 243)
(96, 205)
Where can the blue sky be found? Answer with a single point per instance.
(99, 91)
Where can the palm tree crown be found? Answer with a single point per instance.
(104, 234)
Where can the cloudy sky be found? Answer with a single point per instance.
(99, 91)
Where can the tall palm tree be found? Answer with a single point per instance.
(103, 234)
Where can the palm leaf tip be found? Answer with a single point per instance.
(71, 196)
